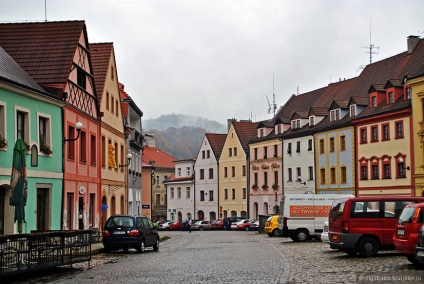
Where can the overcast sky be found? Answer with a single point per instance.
(217, 59)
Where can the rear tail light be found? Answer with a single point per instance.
(416, 215)
(345, 227)
(134, 233)
(106, 234)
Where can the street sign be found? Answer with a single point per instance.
(145, 206)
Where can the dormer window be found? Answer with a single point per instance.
(391, 98)
(374, 102)
(335, 114)
(279, 129)
(312, 120)
(296, 124)
(408, 93)
(261, 132)
(352, 110)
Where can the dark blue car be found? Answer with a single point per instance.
(125, 231)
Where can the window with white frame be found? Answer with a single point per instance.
(188, 170)
(352, 110)
(22, 124)
(312, 120)
(172, 193)
(2, 120)
(335, 114)
(179, 172)
(391, 98)
(179, 192)
(188, 192)
(296, 124)
(43, 131)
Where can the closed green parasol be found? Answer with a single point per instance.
(18, 182)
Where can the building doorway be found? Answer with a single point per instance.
(2, 208)
(42, 209)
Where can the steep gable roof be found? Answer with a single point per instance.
(217, 142)
(297, 103)
(246, 131)
(12, 72)
(44, 49)
(157, 157)
(101, 54)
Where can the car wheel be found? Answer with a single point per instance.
(125, 250)
(156, 245)
(107, 249)
(275, 232)
(271, 235)
(412, 259)
(368, 247)
(141, 248)
(246, 228)
(301, 235)
(201, 229)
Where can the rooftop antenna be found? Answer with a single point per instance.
(45, 10)
(371, 47)
(272, 106)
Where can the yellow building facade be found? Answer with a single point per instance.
(417, 92)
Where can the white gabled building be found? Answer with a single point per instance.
(206, 178)
(180, 191)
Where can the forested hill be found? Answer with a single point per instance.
(165, 121)
(180, 135)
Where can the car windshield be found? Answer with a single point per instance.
(120, 221)
(269, 219)
(407, 214)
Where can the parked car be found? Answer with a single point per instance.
(324, 234)
(125, 231)
(185, 225)
(229, 220)
(366, 224)
(175, 226)
(234, 224)
(271, 226)
(409, 223)
(419, 250)
(217, 225)
(164, 225)
(201, 225)
(254, 226)
(244, 225)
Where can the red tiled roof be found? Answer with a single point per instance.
(11, 71)
(124, 104)
(246, 131)
(45, 50)
(172, 178)
(158, 157)
(301, 102)
(101, 54)
(217, 142)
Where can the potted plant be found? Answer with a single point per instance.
(265, 186)
(46, 150)
(27, 146)
(254, 186)
(3, 142)
(275, 186)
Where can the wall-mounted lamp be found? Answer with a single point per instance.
(129, 157)
(299, 180)
(401, 160)
(78, 127)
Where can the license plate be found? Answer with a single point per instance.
(119, 233)
(401, 232)
(420, 253)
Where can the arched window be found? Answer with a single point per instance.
(255, 210)
(265, 208)
(113, 206)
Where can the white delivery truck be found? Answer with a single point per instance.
(302, 216)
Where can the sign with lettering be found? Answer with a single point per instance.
(309, 211)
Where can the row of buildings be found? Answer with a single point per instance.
(61, 95)
(361, 136)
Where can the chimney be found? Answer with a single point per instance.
(229, 122)
(412, 43)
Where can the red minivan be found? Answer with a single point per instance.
(405, 237)
(365, 224)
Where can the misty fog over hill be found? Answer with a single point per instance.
(165, 121)
(180, 135)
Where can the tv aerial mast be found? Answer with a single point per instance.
(371, 47)
(272, 106)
